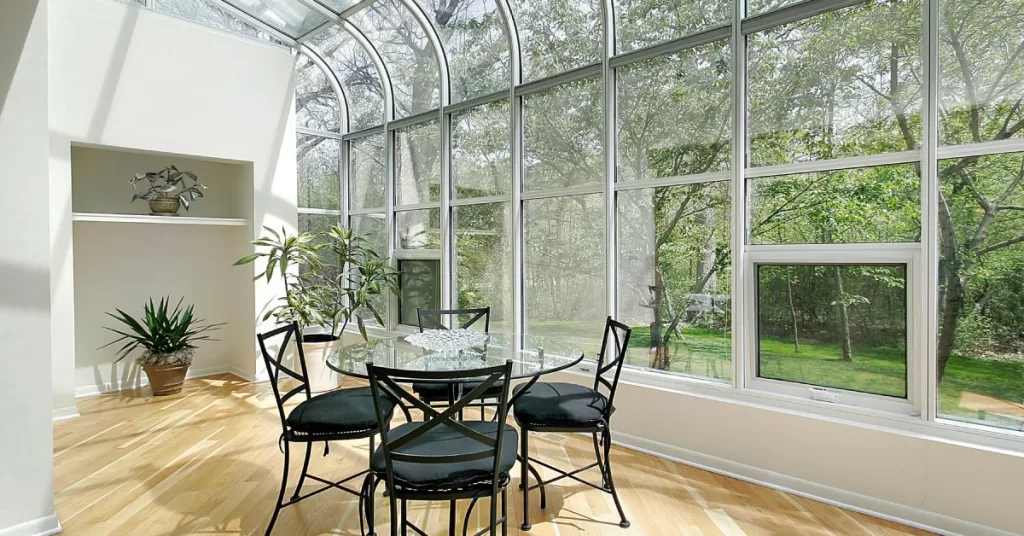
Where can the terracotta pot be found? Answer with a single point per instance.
(317, 348)
(166, 379)
(165, 206)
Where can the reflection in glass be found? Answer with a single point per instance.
(419, 229)
(841, 326)
(483, 272)
(562, 136)
(319, 160)
(419, 287)
(418, 164)
(877, 204)
(373, 229)
(675, 115)
(473, 36)
(357, 74)
(367, 172)
(481, 147)
(810, 99)
(674, 278)
(557, 36)
(565, 268)
(981, 290)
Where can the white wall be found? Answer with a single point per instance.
(127, 77)
(26, 468)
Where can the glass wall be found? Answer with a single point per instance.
(775, 195)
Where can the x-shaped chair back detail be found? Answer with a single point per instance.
(276, 367)
(609, 362)
(434, 318)
(382, 380)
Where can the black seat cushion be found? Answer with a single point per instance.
(559, 405)
(443, 440)
(344, 411)
(438, 392)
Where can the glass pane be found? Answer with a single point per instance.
(338, 6)
(813, 100)
(408, 54)
(981, 73)
(418, 164)
(358, 75)
(834, 326)
(483, 274)
(316, 104)
(202, 12)
(674, 276)
(878, 204)
(642, 23)
(563, 136)
(373, 228)
(419, 229)
(473, 35)
(419, 287)
(981, 290)
(565, 269)
(660, 134)
(557, 36)
(319, 160)
(481, 151)
(367, 163)
(760, 6)
(291, 17)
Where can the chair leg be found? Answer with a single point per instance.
(504, 511)
(280, 495)
(600, 462)
(607, 436)
(494, 514)
(405, 517)
(369, 488)
(394, 514)
(451, 517)
(525, 476)
(305, 468)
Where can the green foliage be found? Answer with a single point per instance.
(169, 182)
(327, 277)
(160, 331)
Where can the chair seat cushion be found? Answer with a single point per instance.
(344, 411)
(438, 392)
(559, 405)
(443, 440)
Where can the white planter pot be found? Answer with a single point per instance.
(321, 377)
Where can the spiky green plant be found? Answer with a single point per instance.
(161, 331)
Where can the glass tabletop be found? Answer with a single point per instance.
(448, 351)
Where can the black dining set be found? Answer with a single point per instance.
(457, 450)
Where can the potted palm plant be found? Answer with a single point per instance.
(328, 278)
(168, 338)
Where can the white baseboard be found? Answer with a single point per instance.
(70, 412)
(44, 526)
(142, 381)
(900, 513)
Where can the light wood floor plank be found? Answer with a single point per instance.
(207, 462)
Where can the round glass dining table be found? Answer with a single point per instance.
(443, 350)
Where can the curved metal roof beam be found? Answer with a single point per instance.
(514, 45)
(435, 40)
(375, 56)
(316, 57)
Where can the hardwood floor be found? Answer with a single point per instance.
(207, 462)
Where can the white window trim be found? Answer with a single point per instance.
(909, 255)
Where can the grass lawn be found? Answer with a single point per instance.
(707, 354)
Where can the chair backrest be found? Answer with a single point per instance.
(434, 318)
(614, 346)
(275, 365)
(384, 382)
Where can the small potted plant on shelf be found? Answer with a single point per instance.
(168, 338)
(168, 190)
(327, 278)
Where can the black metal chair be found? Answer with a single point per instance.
(337, 415)
(439, 394)
(567, 407)
(443, 458)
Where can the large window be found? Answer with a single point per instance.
(483, 270)
(562, 131)
(418, 165)
(482, 151)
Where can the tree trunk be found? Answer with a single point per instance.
(952, 309)
(844, 317)
(792, 313)
(659, 341)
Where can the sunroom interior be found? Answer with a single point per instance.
(809, 214)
